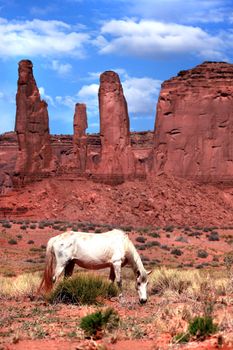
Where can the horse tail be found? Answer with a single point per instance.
(47, 279)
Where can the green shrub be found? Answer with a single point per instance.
(202, 253)
(32, 226)
(83, 289)
(97, 321)
(141, 239)
(31, 241)
(202, 326)
(214, 236)
(169, 228)
(176, 252)
(6, 224)
(98, 230)
(12, 241)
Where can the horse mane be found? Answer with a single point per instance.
(134, 258)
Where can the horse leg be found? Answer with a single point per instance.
(112, 275)
(69, 268)
(117, 271)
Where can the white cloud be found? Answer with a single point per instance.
(156, 40)
(46, 97)
(181, 11)
(67, 101)
(61, 68)
(40, 38)
(141, 94)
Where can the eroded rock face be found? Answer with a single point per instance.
(80, 138)
(117, 160)
(194, 123)
(32, 127)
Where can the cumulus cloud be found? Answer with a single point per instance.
(181, 11)
(156, 40)
(61, 68)
(46, 97)
(40, 38)
(141, 95)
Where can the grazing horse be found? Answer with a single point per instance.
(111, 249)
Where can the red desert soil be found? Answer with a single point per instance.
(160, 200)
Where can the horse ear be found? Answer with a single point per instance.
(148, 272)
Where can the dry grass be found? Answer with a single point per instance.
(191, 284)
(22, 285)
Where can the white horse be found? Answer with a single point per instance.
(111, 249)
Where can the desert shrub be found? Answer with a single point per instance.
(140, 247)
(168, 235)
(199, 327)
(98, 230)
(23, 227)
(127, 228)
(31, 241)
(176, 251)
(6, 224)
(214, 236)
(181, 239)
(19, 236)
(32, 226)
(83, 289)
(34, 249)
(12, 241)
(165, 247)
(228, 260)
(97, 321)
(202, 253)
(202, 326)
(169, 228)
(141, 239)
(154, 234)
(43, 246)
(153, 244)
(195, 233)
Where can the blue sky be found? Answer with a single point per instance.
(70, 42)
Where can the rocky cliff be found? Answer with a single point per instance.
(31, 126)
(192, 137)
(194, 124)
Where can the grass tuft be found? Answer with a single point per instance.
(83, 288)
(97, 321)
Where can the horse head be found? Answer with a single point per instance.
(141, 285)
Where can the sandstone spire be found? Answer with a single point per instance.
(80, 138)
(32, 126)
(117, 159)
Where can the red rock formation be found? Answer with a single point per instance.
(117, 161)
(80, 138)
(35, 154)
(194, 124)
